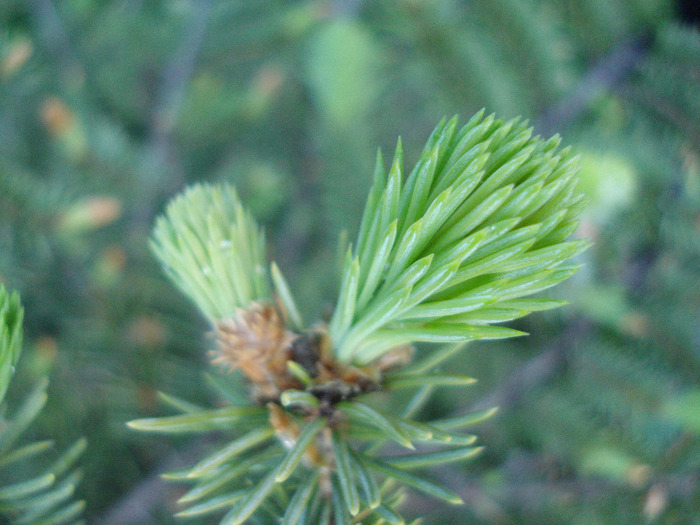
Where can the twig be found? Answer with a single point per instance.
(605, 74)
(535, 372)
(160, 175)
(51, 30)
(667, 112)
(136, 507)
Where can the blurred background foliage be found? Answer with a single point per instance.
(108, 108)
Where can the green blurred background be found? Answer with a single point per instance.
(110, 107)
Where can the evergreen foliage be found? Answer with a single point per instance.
(110, 108)
(11, 314)
(482, 221)
(213, 250)
(28, 497)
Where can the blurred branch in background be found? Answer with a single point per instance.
(140, 504)
(162, 173)
(108, 107)
(605, 75)
(52, 32)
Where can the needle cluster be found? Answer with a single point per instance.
(443, 254)
(46, 497)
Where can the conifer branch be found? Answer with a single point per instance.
(442, 255)
(46, 497)
(482, 219)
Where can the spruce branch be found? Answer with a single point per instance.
(480, 221)
(46, 497)
(442, 255)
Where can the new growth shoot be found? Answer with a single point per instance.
(445, 253)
